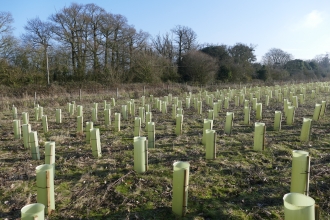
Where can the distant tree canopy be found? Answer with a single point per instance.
(84, 42)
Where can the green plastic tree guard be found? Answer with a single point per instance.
(226, 103)
(215, 110)
(74, 106)
(323, 107)
(107, 117)
(210, 145)
(280, 97)
(89, 126)
(173, 111)
(290, 115)
(179, 121)
(295, 101)
(175, 101)
(151, 98)
(113, 102)
(164, 107)
(94, 115)
(34, 211)
(298, 207)
(251, 96)
(300, 172)
(117, 121)
(236, 100)
(25, 117)
(108, 106)
(208, 124)
(58, 116)
(137, 126)
(277, 120)
(306, 130)
(254, 104)
(140, 154)
(229, 122)
(95, 142)
(147, 107)
(14, 109)
(80, 110)
(285, 108)
(259, 136)
(132, 108)
(159, 105)
(34, 145)
(80, 121)
(95, 111)
(26, 129)
(241, 98)
(143, 100)
(180, 104)
(41, 111)
(148, 119)
(267, 100)
(129, 108)
(301, 99)
(71, 109)
(151, 134)
(246, 103)
(142, 114)
(68, 106)
(313, 94)
(44, 123)
(45, 187)
(199, 107)
(17, 128)
(211, 114)
(317, 111)
(259, 111)
(124, 111)
(179, 111)
(104, 104)
(247, 111)
(187, 102)
(180, 188)
(36, 113)
(170, 98)
(50, 154)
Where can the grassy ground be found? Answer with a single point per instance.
(239, 184)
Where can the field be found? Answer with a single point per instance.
(239, 184)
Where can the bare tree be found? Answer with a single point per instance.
(185, 38)
(39, 34)
(69, 28)
(6, 19)
(94, 15)
(6, 40)
(276, 58)
(164, 46)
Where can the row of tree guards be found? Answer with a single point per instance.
(297, 204)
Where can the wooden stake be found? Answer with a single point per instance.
(215, 148)
(146, 154)
(35, 217)
(308, 174)
(184, 193)
(48, 192)
(317, 212)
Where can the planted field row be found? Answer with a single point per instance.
(236, 170)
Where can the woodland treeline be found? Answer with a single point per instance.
(84, 42)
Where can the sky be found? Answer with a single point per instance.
(298, 27)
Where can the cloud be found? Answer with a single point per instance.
(313, 19)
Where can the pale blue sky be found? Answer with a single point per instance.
(299, 27)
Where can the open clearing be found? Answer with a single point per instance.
(239, 184)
